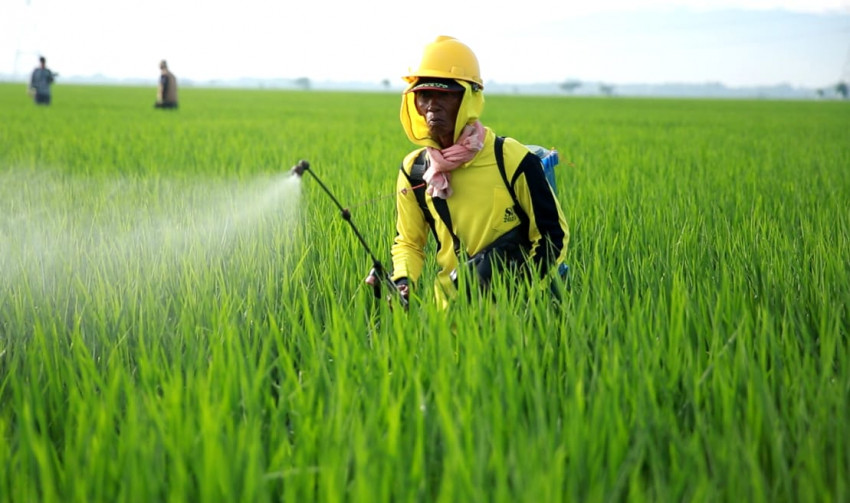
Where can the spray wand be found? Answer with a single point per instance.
(377, 268)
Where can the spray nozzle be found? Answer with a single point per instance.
(300, 168)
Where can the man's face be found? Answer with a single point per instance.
(439, 108)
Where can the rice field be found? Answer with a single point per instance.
(180, 320)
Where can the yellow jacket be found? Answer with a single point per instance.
(481, 210)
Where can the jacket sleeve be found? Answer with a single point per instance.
(408, 250)
(547, 227)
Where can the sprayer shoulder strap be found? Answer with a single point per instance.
(500, 161)
(417, 181)
(417, 184)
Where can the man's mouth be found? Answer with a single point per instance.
(434, 121)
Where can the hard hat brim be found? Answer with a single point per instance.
(444, 85)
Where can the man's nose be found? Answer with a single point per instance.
(431, 103)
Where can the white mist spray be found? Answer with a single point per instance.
(61, 233)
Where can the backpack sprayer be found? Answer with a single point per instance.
(378, 270)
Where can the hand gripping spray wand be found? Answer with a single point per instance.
(377, 268)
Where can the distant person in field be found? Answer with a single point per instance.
(465, 201)
(166, 95)
(40, 81)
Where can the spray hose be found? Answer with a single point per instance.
(377, 268)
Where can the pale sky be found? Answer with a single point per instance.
(738, 43)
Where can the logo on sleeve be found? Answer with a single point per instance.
(510, 215)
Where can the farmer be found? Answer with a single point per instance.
(40, 82)
(166, 95)
(471, 212)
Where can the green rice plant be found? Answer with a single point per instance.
(179, 320)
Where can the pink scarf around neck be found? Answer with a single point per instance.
(469, 143)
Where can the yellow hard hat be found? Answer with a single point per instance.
(448, 58)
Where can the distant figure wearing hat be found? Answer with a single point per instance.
(40, 82)
(166, 95)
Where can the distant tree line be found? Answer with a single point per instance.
(302, 83)
(841, 89)
(570, 85)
